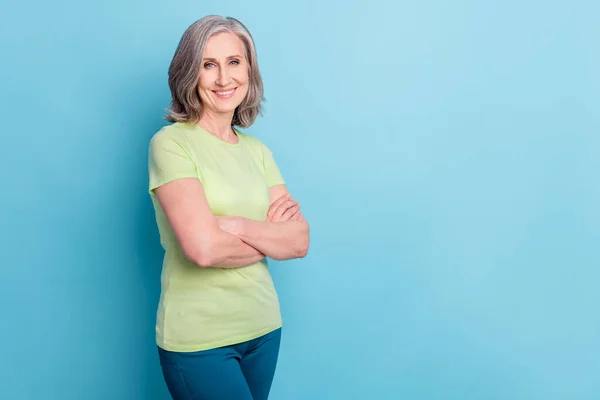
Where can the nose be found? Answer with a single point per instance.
(224, 77)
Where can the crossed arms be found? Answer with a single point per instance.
(232, 242)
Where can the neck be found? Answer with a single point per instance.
(218, 125)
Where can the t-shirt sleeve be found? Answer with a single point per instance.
(272, 171)
(167, 161)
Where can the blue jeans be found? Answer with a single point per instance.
(242, 371)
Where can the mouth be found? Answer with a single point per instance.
(225, 94)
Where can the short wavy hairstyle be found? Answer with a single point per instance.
(184, 72)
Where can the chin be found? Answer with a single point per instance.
(227, 106)
(225, 110)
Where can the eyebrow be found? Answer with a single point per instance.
(230, 57)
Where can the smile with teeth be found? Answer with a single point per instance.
(225, 94)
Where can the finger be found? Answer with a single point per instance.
(298, 217)
(283, 208)
(277, 203)
(290, 212)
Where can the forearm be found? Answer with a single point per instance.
(228, 251)
(278, 240)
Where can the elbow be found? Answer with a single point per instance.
(198, 255)
(302, 251)
(303, 245)
(204, 261)
(199, 258)
(202, 249)
(298, 250)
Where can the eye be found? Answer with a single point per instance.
(234, 62)
(209, 65)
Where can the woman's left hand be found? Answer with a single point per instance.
(284, 209)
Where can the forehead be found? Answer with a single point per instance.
(223, 45)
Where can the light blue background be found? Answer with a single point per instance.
(445, 153)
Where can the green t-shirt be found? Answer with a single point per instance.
(202, 308)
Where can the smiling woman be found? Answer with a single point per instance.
(221, 52)
(224, 78)
(222, 207)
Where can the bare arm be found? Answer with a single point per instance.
(196, 229)
(279, 238)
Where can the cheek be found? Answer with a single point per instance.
(243, 81)
(205, 81)
(243, 89)
(242, 76)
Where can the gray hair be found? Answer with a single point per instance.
(184, 72)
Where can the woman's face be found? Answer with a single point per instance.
(224, 77)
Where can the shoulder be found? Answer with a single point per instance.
(174, 132)
(170, 137)
(170, 141)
